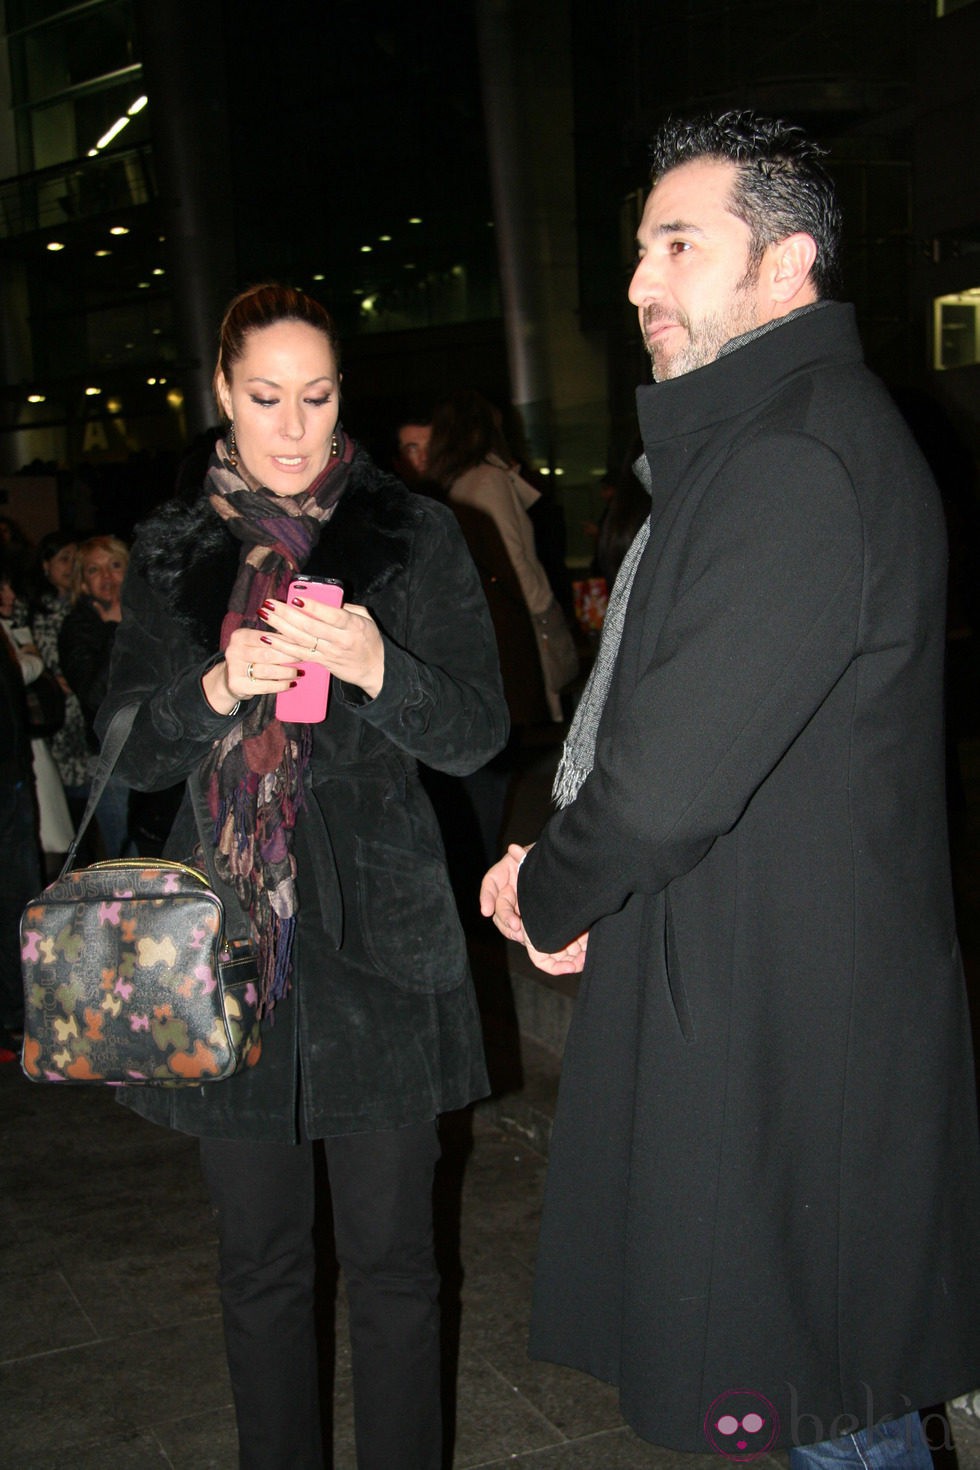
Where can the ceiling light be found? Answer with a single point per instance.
(117, 127)
(56, 245)
(158, 271)
(35, 398)
(101, 253)
(92, 392)
(119, 230)
(415, 220)
(137, 106)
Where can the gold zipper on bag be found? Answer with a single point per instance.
(167, 864)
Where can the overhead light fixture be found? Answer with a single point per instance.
(36, 398)
(159, 271)
(100, 253)
(415, 220)
(366, 249)
(114, 131)
(113, 405)
(319, 276)
(151, 382)
(119, 230)
(55, 245)
(385, 239)
(137, 106)
(92, 392)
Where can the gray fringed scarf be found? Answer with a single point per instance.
(578, 755)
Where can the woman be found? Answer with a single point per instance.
(469, 458)
(85, 650)
(371, 1028)
(56, 554)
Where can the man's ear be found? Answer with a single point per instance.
(791, 262)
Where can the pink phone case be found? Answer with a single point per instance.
(307, 703)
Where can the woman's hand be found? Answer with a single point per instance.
(347, 641)
(252, 665)
(344, 640)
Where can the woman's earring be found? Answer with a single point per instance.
(231, 447)
(333, 447)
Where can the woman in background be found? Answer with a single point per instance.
(54, 570)
(85, 650)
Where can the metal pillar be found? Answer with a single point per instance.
(184, 67)
(514, 214)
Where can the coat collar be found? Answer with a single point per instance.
(738, 381)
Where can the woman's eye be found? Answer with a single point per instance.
(318, 402)
(264, 402)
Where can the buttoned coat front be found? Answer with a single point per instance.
(381, 1027)
(764, 1169)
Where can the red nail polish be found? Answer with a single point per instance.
(264, 639)
(292, 683)
(301, 673)
(267, 603)
(298, 602)
(263, 614)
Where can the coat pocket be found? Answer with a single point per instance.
(675, 982)
(409, 925)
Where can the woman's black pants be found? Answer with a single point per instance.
(381, 1187)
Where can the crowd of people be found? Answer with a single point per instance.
(59, 611)
(763, 1203)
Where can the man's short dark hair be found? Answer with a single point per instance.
(781, 185)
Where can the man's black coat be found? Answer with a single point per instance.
(764, 1170)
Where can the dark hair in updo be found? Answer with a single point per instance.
(264, 306)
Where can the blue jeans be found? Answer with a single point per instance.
(895, 1444)
(112, 815)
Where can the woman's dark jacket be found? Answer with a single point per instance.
(380, 1028)
(84, 653)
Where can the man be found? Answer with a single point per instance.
(412, 460)
(763, 1203)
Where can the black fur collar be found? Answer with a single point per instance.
(186, 554)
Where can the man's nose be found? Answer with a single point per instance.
(644, 282)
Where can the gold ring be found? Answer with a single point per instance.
(315, 642)
(250, 671)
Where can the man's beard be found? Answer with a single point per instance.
(705, 337)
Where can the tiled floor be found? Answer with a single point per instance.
(110, 1341)
(111, 1351)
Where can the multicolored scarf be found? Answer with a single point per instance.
(254, 775)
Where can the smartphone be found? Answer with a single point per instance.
(307, 703)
